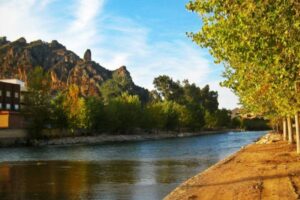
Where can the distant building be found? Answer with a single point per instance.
(10, 101)
(15, 81)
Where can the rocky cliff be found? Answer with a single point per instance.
(18, 58)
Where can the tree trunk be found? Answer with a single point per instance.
(297, 132)
(284, 130)
(290, 130)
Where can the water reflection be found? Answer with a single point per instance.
(53, 180)
(143, 170)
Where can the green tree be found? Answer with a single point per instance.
(176, 115)
(75, 109)
(257, 42)
(110, 89)
(153, 116)
(255, 124)
(223, 118)
(167, 88)
(218, 119)
(58, 116)
(209, 99)
(154, 96)
(37, 102)
(96, 116)
(236, 123)
(197, 101)
(124, 113)
(192, 93)
(210, 120)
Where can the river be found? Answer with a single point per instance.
(146, 170)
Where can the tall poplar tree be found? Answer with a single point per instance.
(258, 42)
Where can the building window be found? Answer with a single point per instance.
(8, 93)
(16, 106)
(16, 94)
(8, 106)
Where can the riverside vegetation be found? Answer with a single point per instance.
(257, 41)
(172, 106)
(78, 95)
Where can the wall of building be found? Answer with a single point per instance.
(4, 120)
(16, 120)
(10, 119)
(9, 96)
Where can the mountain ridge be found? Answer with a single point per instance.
(18, 58)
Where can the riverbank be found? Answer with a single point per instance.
(13, 138)
(268, 169)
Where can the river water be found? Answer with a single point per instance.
(120, 171)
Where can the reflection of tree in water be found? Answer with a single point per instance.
(4, 180)
(53, 180)
(177, 171)
(115, 177)
(38, 180)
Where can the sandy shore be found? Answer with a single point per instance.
(268, 169)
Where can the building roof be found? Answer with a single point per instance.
(15, 81)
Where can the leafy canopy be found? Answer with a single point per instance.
(257, 41)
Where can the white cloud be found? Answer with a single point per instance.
(30, 18)
(44, 3)
(114, 41)
(17, 19)
(177, 59)
(86, 13)
(83, 31)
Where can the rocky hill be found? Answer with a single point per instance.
(18, 58)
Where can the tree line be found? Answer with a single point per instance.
(258, 43)
(172, 106)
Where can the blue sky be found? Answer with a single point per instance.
(148, 36)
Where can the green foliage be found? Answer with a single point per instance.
(110, 89)
(96, 117)
(209, 99)
(175, 106)
(153, 117)
(257, 41)
(120, 83)
(37, 101)
(154, 97)
(236, 122)
(255, 124)
(223, 118)
(196, 120)
(58, 116)
(219, 119)
(210, 120)
(167, 88)
(124, 113)
(75, 109)
(171, 112)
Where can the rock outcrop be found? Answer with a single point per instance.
(19, 58)
(87, 55)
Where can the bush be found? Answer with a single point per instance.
(255, 124)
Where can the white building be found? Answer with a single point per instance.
(15, 81)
